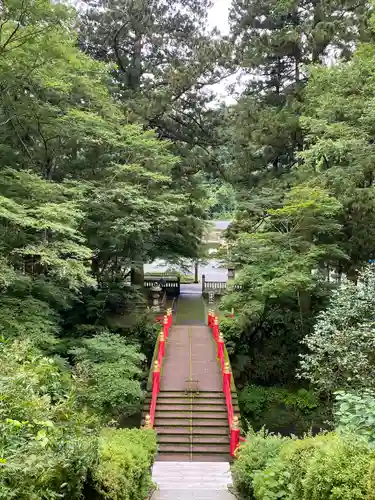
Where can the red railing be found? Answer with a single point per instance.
(158, 363)
(213, 323)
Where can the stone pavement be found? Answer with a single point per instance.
(192, 481)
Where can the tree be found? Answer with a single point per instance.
(275, 41)
(87, 196)
(165, 63)
(283, 129)
(339, 152)
(280, 290)
(341, 345)
(164, 59)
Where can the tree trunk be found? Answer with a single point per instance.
(137, 275)
(196, 272)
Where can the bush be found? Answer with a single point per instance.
(28, 319)
(254, 455)
(355, 413)
(47, 443)
(325, 467)
(109, 375)
(282, 411)
(125, 460)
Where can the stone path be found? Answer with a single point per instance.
(192, 481)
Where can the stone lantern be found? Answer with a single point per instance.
(155, 295)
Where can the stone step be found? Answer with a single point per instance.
(201, 394)
(164, 413)
(196, 422)
(195, 439)
(172, 494)
(188, 407)
(161, 405)
(208, 439)
(195, 448)
(195, 457)
(208, 475)
(197, 431)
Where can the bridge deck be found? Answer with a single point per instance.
(190, 355)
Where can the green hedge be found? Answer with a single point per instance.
(125, 460)
(325, 467)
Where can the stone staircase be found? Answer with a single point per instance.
(192, 481)
(192, 426)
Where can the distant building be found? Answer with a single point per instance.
(215, 233)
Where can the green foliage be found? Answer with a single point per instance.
(222, 201)
(280, 293)
(260, 448)
(109, 372)
(355, 413)
(282, 411)
(324, 467)
(125, 459)
(341, 345)
(266, 350)
(28, 319)
(300, 139)
(47, 443)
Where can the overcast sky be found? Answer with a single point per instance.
(218, 16)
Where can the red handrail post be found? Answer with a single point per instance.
(234, 436)
(156, 376)
(226, 376)
(155, 390)
(211, 318)
(220, 350)
(169, 314)
(165, 326)
(215, 329)
(161, 344)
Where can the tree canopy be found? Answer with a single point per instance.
(114, 150)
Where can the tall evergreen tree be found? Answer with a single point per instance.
(275, 40)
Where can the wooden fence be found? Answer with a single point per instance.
(171, 284)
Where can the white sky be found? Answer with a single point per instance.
(218, 15)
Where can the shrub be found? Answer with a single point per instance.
(28, 319)
(125, 460)
(254, 455)
(109, 374)
(47, 443)
(355, 413)
(325, 467)
(283, 476)
(338, 470)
